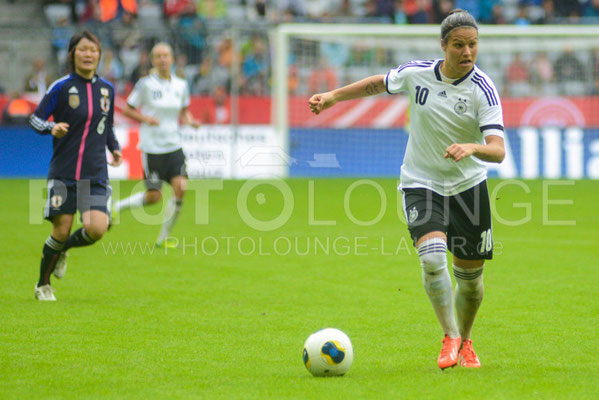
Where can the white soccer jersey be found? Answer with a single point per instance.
(441, 114)
(161, 99)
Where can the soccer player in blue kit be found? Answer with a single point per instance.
(456, 124)
(82, 105)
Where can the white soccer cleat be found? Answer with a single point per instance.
(44, 293)
(60, 269)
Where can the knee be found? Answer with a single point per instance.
(153, 196)
(179, 191)
(469, 280)
(61, 232)
(95, 231)
(433, 263)
(433, 256)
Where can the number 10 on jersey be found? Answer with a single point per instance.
(421, 95)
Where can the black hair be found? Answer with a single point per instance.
(457, 18)
(75, 40)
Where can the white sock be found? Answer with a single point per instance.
(437, 283)
(173, 207)
(469, 290)
(135, 200)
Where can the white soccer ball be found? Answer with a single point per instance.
(328, 352)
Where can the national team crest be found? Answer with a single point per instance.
(154, 178)
(413, 215)
(74, 100)
(460, 107)
(56, 201)
(104, 101)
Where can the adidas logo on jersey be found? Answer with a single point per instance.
(74, 90)
(442, 94)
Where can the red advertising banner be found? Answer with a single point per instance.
(384, 112)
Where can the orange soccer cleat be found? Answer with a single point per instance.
(449, 352)
(468, 357)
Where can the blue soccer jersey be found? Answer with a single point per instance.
(88, 107)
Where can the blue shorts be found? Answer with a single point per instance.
(67, 196)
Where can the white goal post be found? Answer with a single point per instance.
(298, 49)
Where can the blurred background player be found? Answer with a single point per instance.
(82, 105)
(456, 123)
(163, 99)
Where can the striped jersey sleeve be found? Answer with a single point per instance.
(396, 80)
(39, 119)
(490, 112)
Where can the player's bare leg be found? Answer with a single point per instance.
(152, 196)
(173, 208)
(140, 199)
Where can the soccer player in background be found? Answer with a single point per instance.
(164, 99)
(82, 105)
(456, 124)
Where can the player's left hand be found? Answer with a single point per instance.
(117, 158)
(460, 151)
(196, 124)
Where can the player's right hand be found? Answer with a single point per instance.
(60, 129)
(321, 101)
(152, 121)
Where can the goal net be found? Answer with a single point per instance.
(547, 76)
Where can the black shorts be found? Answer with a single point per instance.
(163, 167)
(465, 218)
(66, 196)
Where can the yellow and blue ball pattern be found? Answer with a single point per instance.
(306, 358)
(332, 352)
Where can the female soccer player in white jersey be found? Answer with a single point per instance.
(456, 123)
(164, 99)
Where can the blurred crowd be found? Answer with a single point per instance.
(569, 73)
(274, 11)
(212, 61)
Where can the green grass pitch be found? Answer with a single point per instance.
(226, 316)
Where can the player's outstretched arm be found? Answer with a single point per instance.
(187, 118)
(133, 113)
(366, 87)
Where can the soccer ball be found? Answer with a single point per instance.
(328, 352)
